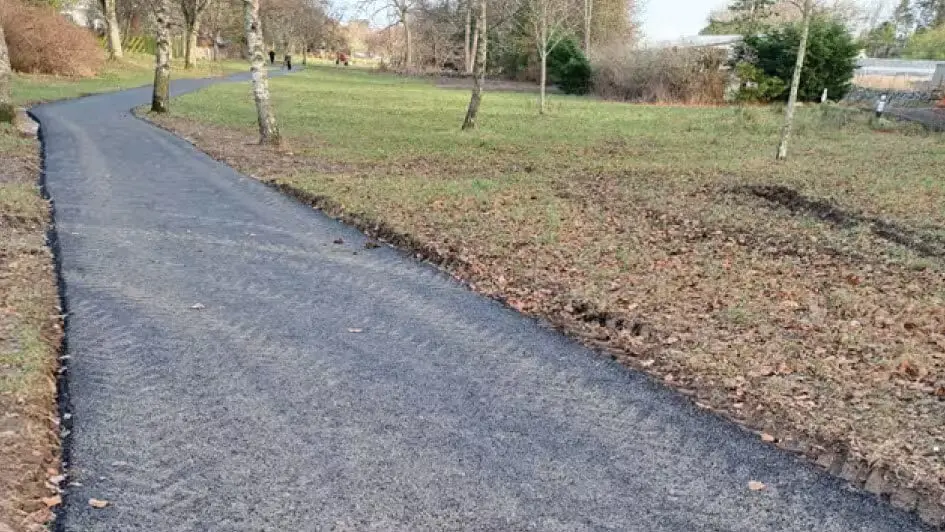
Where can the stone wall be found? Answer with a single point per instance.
(867, 97)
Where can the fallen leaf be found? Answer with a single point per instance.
(355, 330)
(754, 485)
(98, 503)
(765, 437)
(907, 368)
(197, 306)
(41, 516)
(55, 500)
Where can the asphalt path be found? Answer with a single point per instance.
(230, 367)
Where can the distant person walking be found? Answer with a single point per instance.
(272, 57)
(288, 62)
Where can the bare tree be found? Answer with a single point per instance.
(808, 10)
(222, 20)
(192, 11)
(112, 30)
(548, 21)
(471, 51)
(480, 69)
(467, 56)
(7, 111)
(268, 130)
(402, 11)
(588, 18)
(162, 67)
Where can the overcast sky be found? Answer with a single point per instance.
(662, 19)
(667, 19)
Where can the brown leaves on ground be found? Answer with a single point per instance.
(55, 500)
(29, 337)
(815, 325)
(98, 503)
(754, 485)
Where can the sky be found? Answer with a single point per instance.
(668, 19)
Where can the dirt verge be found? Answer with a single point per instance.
(30, 335)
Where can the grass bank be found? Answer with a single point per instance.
(804, 299)
(30, 333)
(134, 70)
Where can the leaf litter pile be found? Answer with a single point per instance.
(30, 333)
(804, 300)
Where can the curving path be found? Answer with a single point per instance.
(267, 410)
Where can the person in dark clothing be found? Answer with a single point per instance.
(272, 57)
(288, 62)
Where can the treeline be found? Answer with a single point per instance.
(439, 35)
(915, 30)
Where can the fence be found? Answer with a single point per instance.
(135, 44)
(148, 45)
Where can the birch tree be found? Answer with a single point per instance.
(162, 58)
(471, 40)
(479, 68)
(7, 111)
(808, 11)
(192, 11)
(467, 56)
(268, 130)
(112, 31)
(588, 19)
(547, 21)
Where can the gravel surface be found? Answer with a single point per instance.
(234, 367)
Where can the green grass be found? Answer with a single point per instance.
(358, 117)
(607, 213)
(133, 71)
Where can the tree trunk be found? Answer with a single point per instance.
(216, 46)
(268, 130)
(408, 52)
(467, 56)
(588, 12)
(795, 83)
(162, 66)
(544, 81)
(479, 77)
(114, 34)
(190, 43)
(7, 110)
(304, 54)
(474, 50)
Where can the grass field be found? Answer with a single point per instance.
(805, 299)
(132, 71)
